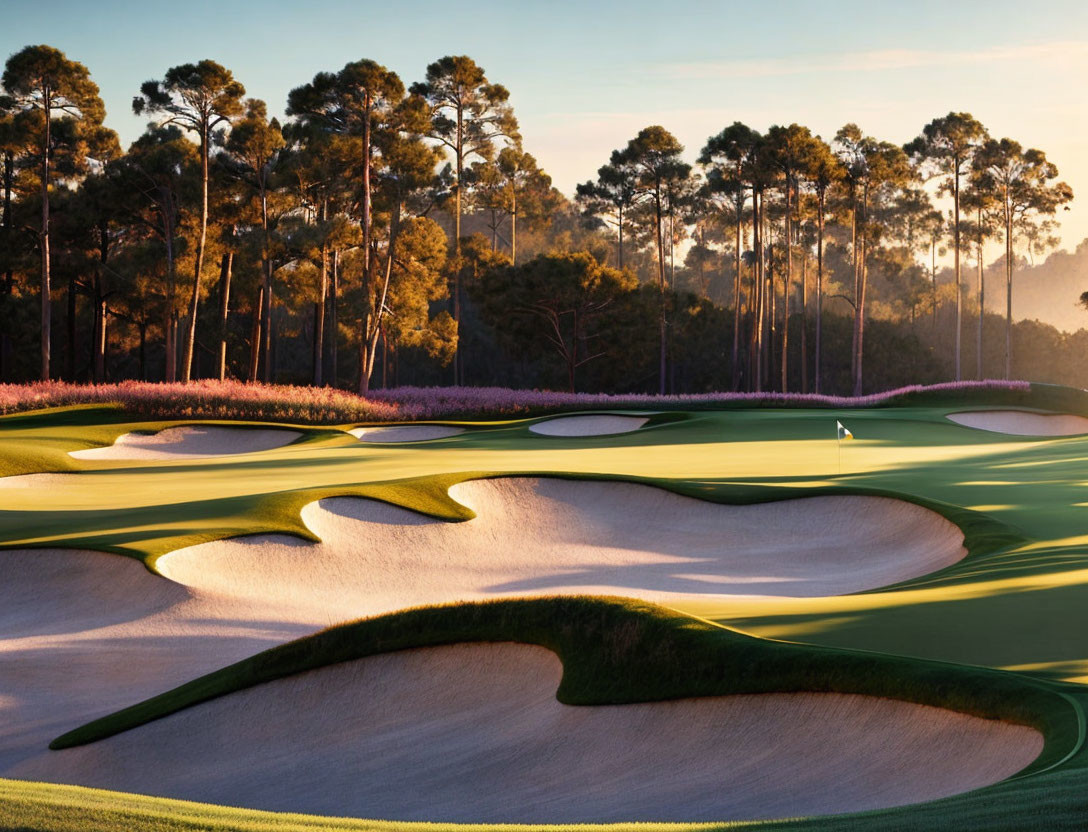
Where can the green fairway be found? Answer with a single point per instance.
(1020, 604)
(1018, 601)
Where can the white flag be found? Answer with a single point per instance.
(843, 432)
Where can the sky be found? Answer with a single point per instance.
(586, 76)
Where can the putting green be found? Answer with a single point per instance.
(1018, 601)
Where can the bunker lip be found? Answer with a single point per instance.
(541, 536)
(191, 442)
(404, 433)
(588, 425)
(338, 741)
(1022, 422)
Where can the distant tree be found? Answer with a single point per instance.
(13, 142)
(467, 114)
(612, 195)
(512, 185)
(824, 171)
(558, 301)
(980, 203)
(95, 222)
(877, 172)
(1022, 183)
(253, 150)
(367, 102)
(43, 86)
(153, 175)
(947, 146)
(319, 166)
(731, 159)
(788, 150)
(402, 196)
(199, 98)
(655, 155)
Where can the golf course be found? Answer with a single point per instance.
(792, 614)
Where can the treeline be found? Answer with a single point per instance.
(389, 233)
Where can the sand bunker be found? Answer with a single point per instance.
(405, 433)
(473, 733)
(191, 442)
(83, 634)
(1022, 422)
(549, 536)
(588, 425)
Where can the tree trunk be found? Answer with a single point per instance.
(956, 244)
(319, 317)
(334, 367)
(857, 287)
(70, 331)
(255, 335)
(786, 292)
(97, 322)
(198, 269)
(170, 329)
(1008, 286)
(860, 316)
(266, 294)
(8, 287)
(933, 273)
(804, 319)
(772, 312)
(372, 324)
(143, 351)
(47, 312)
(981, 296)
(101, 340)
(620, 227)
(514, 227)
(459, 159)
(736, 303)
(385, 359)
(101, 310)
(661, 290)
(755, 356)
(226, 267)
(819, 287)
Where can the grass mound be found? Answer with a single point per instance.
(618, 651)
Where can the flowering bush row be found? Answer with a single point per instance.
(324, 405)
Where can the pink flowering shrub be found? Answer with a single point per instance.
(324, 405)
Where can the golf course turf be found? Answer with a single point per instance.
(997, 633)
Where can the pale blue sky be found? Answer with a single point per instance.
(586, 76)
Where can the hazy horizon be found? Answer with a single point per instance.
(584, 78)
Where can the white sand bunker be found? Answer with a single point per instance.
(83, 634)
(588, 425)
(474, 733)
(1022, 422)
(553, 536)
(405, 433)
(191, 442)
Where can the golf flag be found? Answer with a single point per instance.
(843, 432)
